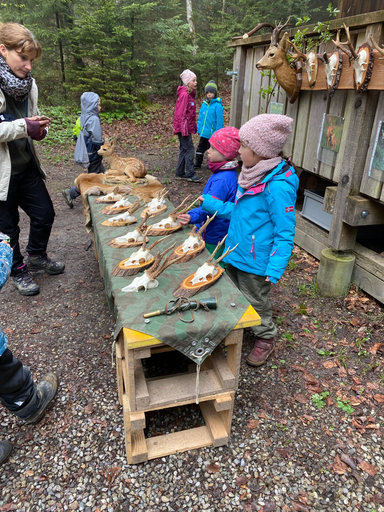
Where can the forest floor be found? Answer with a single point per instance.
(308, 426)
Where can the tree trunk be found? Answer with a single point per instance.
(60, 49)
(191, 25)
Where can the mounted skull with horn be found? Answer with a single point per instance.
(171, 223)
(132, 238)
(205, 276)
(139, 260)
(112, 197)
(126, 218)
(362, 60)
(148, 279)
(275, 58)
(157, 205)
(194, 244)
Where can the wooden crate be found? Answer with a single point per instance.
(218, 381)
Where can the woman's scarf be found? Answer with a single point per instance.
(253, 175)
(17, 88)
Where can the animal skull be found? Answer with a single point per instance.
(131, 236)
(126, 216)
(331, 68)
(202, 273)
(167, 223)
(191, 243)
(138, 258)
(360, 66)
(143, 281)
(111, 197)
(155, 205)
(122, 202)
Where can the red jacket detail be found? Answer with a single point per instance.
(184, 120)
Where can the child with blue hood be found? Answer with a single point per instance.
(89, 141)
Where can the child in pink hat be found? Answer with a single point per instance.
(224, 148)
(184, 125)
(262, 221)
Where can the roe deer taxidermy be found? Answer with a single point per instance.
(131, 167)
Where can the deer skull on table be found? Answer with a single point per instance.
(143, 255)
(157, 202)
(171, 221)
(128, 215)
(209, 268)
(195, 239)
(148, 280)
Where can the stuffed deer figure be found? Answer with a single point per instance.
(131, 167)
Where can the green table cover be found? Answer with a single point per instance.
(196, 340)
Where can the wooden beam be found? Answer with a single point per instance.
(353, 22)
(358, 211)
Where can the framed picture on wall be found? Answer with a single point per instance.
(276, 108)
(376, 166)
(330, 138)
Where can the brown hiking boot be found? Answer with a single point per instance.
(261, 351)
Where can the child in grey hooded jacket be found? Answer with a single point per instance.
(90, 138)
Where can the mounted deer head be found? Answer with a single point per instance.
(362, 60)
(333, 67)
(143, 255)
(275, 58)
(148, 279)
(138, 235)
(195, 239)
(157, 202)
(209, 269)
(171, 221)
(310, 61)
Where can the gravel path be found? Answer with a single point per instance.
(285, 453)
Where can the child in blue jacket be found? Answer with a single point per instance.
(210, 120)
(224, 148)
(262, 221)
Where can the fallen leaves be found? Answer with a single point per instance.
(89, 408)
(241, 480)
(368, 468)
(300, 506)
(301, 398)
(252, 424)
(329, 364)
(112, 473)
(339, 467)
(376, 347)
(379, 398)
(213, 468)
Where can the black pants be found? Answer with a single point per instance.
(95, 167)
(28, 191)
(186, 155)
(18, 392)
(201, 149)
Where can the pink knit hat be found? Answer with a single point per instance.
(266, 134)
(186, 76)
(226, 141)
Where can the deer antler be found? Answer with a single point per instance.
(142, 227)
(209, 260)
(351, 52)
(380, 50)
(276, 32)
(300, 54)
(251, 32)
(193, 231)
(135, 206)
(156, 270)
(177, 210)
(228, 251)
(156, 242)
(204, 226)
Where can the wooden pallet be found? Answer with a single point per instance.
(218, 381)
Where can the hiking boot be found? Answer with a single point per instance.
(46, 390)
(25, 284)
(5, 451)
(182, 177)
(67, 197)
(196, 165)
(261, 351)
(195, 179)
(44, 263)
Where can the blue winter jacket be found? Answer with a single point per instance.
(210, 117)
(221, 185)
(262, 222)
(6, 257)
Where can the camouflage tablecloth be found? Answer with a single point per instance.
(196, 340)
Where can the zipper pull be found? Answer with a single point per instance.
(253, 247)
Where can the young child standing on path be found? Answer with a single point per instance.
(210, 120)
(184, 124)
(224, 148)
(93, 138)
(262, 221)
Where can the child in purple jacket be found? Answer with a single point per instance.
(184, 124)
(224, 148)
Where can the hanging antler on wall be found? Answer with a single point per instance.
(253, 31)
(362, 60)
(375, 45)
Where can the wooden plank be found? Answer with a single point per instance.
(238, 88)
(234, 342)
(319, 106)
(370, 261)
(127, 431)
(224, 373)
(291, 111)
(175, 389)
(223, 402)
(368, 282)
(129, 375)
(354, 22)
(178, 442)
(301, 128)
(351, 98)
(356, 205)
(142, 393)
(141, 353)
(137, 420)
(254, 107)
(336, 108)
(310, 237)
(248, 74)
(119, 373)
(226, 416)
(371, 185)
(139, 447)
(215, 424)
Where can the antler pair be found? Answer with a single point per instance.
(156, 269)
(217, 261)
(350, 51)
(176, 211)
(203, 227)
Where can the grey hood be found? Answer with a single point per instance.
(89, 119)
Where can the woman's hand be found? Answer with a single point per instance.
(43, 121)
(184, 219)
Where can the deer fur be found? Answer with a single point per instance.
(131, 167)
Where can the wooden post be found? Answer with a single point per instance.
(238, 86)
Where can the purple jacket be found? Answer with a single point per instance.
(184, 120)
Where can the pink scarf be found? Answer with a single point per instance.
(252, 175)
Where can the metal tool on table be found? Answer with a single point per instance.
(183, 304)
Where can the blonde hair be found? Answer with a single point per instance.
(17, 37)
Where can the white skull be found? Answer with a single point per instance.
(138, 258)
(191, 243)
(131, 236)
(141, 282)
(155, 205)
(122, 202)
(166, 224)
(126, 216)
(111, 197)
(359, 66)
(203, 272)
